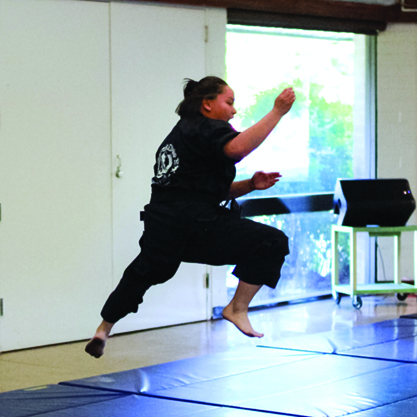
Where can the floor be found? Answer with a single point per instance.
(53, 364)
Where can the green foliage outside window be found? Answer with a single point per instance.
(330, 144)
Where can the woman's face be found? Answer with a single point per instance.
(222, 107)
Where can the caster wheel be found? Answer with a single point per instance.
(357, 302)
(338, 298)
(402, 297)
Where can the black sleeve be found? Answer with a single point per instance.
(217, 135)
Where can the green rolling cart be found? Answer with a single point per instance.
(353, 289)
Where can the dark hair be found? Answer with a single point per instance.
(196, 91)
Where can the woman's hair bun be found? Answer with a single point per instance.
(189, 87)
(196, 91)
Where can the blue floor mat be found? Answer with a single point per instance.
(368, 392)
(390, 339)
(329, 385)
(189, 371)
(402, 350)
(409, 316)
(135, 405)
(406, 408)
(367, 371)
(49, 398)
(284, 382)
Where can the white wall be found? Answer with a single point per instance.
(397, 124)
(67, 108)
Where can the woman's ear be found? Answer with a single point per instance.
(206, 104)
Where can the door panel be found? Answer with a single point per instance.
(153, 49)
(55, 194)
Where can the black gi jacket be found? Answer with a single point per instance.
(190, 163)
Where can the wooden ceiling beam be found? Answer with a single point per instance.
(319, 8)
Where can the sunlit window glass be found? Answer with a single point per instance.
(312, 146)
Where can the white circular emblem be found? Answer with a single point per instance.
(168, 162)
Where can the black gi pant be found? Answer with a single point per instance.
(203, 233)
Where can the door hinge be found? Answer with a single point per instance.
(207, 280)
(1, 307)
(206, 34)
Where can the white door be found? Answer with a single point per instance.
(153, 48)
(55, 165)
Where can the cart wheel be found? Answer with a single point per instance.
(338, 298)
(357, 302)
(402, 297)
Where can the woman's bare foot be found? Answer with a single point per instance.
(95, 347)
(240, 320)
(237, 310)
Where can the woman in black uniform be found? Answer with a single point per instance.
(184, 221)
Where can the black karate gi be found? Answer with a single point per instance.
(184, 221)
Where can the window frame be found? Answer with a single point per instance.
(313, 202)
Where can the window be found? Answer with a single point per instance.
(312, 145)
(327, 135)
